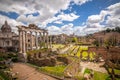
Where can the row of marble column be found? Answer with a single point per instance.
(23, 38)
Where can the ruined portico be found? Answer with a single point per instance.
(30, 38)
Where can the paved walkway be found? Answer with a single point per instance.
(26, 72)
(93, 66)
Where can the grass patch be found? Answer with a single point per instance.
(84, 48)
(57, 46)
(3, 76)
(84, 55)
(100, 76)
(92, 55)
(87, 71)
(56, 70)
(115, 70)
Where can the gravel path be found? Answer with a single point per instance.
(25, 72)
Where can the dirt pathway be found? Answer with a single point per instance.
(26, 72)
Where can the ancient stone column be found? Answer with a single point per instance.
(24, 40)
(40, 35)
(44, 37)
(36, 42)
(24, 46)
(47, 39)
(31, 40)
(50, 41)
(20, 41)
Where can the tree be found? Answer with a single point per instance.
(75, 40)
(117, 29)
(96, 43)
(112, 62)
(108, 30)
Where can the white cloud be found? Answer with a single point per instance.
(114, 19)
(13, 23)
(62, 17)
(112, 14)
(94, 18)
(80, 2)
(48, 8)
(67, 29)
(113, 22)
(53, 30)
(79, 30)
(68, 17)
(97, 18)
(45, 8)
(58, 22)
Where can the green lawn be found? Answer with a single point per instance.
(56, 70)
(84, 48)
(98, 75)
(57, 46)
(3, 76)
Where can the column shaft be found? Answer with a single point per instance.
(24, 40)
(31, 41)
(20, 41)
(36, 42)
(40, 35)
(44, 37)
(47, 43)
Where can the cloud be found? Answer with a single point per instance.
(30, 6)
(97, 18)
(58, 22)
(53, 30)
(62, 17)
(13, 23)
(94, 18)
(113, 22)
(79, 30)
(110, 17)
(114, 19)
(68, 17)
(67, 29)
(46, 9)
(80, 2)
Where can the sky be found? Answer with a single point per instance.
(79, 17)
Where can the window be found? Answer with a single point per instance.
(8, 43)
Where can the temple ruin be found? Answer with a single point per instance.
(29, 38)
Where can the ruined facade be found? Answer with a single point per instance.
(29, 37)
(58, 39)
(8, 38)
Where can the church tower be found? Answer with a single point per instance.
(6, 28)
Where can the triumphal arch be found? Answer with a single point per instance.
(30, 38)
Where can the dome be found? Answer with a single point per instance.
(5, 27)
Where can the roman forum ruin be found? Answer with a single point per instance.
(29, 38)
(28, 41)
